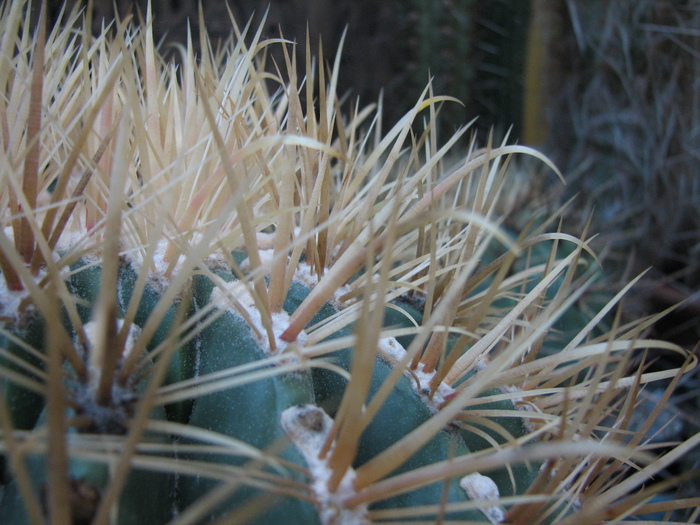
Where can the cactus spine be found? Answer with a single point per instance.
(257, 309)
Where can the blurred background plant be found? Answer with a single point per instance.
(608, 89)
(623, 113)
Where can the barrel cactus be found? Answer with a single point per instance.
(225, 304)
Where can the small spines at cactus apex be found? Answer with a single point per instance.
(254, 309)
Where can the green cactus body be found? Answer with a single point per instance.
(244, 412)
(25, 404)
(475, 51)
(251, 413)
(437, 42)
(145, 499)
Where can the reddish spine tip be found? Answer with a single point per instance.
(289, 335)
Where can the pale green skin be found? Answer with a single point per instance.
(252, 412)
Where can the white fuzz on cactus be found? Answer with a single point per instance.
(309, 427)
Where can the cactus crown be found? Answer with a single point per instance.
(235, 303)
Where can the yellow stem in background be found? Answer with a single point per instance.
(10, 31)
(535, 97)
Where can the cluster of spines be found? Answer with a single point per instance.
(366, 232)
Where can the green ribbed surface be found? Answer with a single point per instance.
(251, 413)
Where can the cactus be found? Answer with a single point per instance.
(250, 308)
(474, 51)
(502, 41)
(433, 40)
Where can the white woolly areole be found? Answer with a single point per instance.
(69, 239)
(159, 266)
(266, 241)
(266, 258)
(308, 427)
(304, 275)
(525, 406)
(420, 380)
(11, 299)
(483, 488)
(280, 320)
(95, 357)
